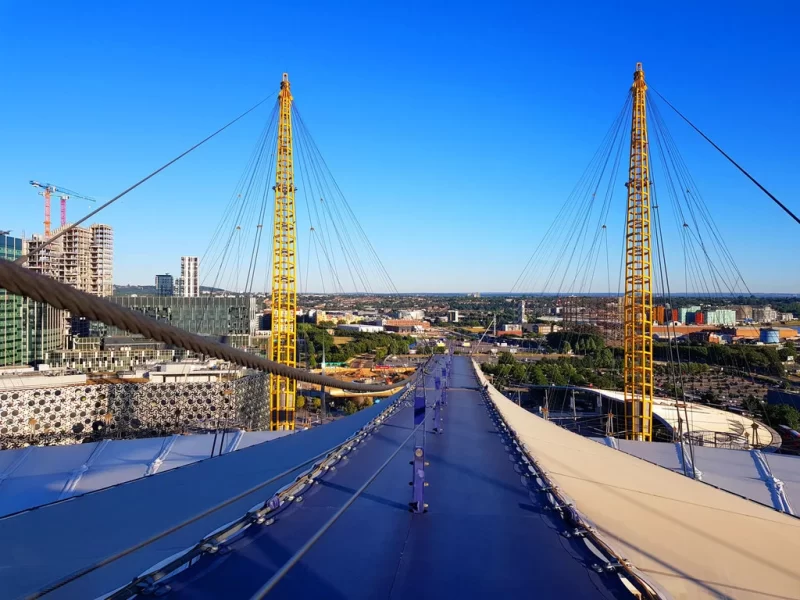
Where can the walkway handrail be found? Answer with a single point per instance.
(23, 282)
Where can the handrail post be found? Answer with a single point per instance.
(417, 503)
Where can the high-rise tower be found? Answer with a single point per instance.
(190, 276)
(638, 304)
(284, 265)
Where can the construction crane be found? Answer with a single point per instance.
(48, 189)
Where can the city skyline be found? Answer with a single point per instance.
(482, 229)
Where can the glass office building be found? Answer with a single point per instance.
(214, 316)
(28, 329)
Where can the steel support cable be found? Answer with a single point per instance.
(673, 358)
(524, 275)
(318, 190)
(23, 282)
(23, 259)
(327, 248)
(303, 550)
(349, 252)
(683, 185)
(162, 534)
(725, 154)
(590, 183)
(337, 197)
(308, 185)
(381, 269)
(246, 200)
(232, 201)
(693, 193)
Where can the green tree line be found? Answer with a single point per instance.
(382, 344)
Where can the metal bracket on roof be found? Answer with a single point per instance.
(75, 477)
(775, 485)
(154, 466)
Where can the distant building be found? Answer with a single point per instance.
(82, 258)
(541, 328)
(785, 317)
(10, 310)
(190, 276)
(754, 333)
(764, 314)
(768, 335)
(522, 317)
(659, 313)
(215, 316)
(28, 329)
(683, 312)
(405, 325)
(360, 328)
(744, 312)
(721, 316)
(165, 285)
(452, 316)
(512, 327)
(336, 317)
(413, 315)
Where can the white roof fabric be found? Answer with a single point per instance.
(689, 539)
(34, 476)
(700, 416)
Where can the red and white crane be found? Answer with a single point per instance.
(47, 190)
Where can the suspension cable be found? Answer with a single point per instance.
(725, 154)
(23, 259)
(23, 282)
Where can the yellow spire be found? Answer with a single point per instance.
(283, 390)
(638, 305)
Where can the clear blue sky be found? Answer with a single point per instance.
(456, 129)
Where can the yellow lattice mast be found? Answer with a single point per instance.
(638, 305)
(282, 390)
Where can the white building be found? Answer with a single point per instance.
(452, 316)
(190, 277)
(764, 314)
(522, 317)
(721, 316)
(359, 328)
(412, 315)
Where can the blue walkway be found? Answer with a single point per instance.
(485, 533)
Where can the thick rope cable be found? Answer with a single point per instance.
(23, 282)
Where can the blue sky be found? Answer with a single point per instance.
(455, 129)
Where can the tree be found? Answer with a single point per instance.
(380, 355)
(300, 402)
(782, 414)
(350, 408)
(537, 376)
(317, 404)
(708, 397)
(506, 358)
(566, 348)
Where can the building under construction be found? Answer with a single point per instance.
(82, 258)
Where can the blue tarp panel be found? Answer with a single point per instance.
(45, 544)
